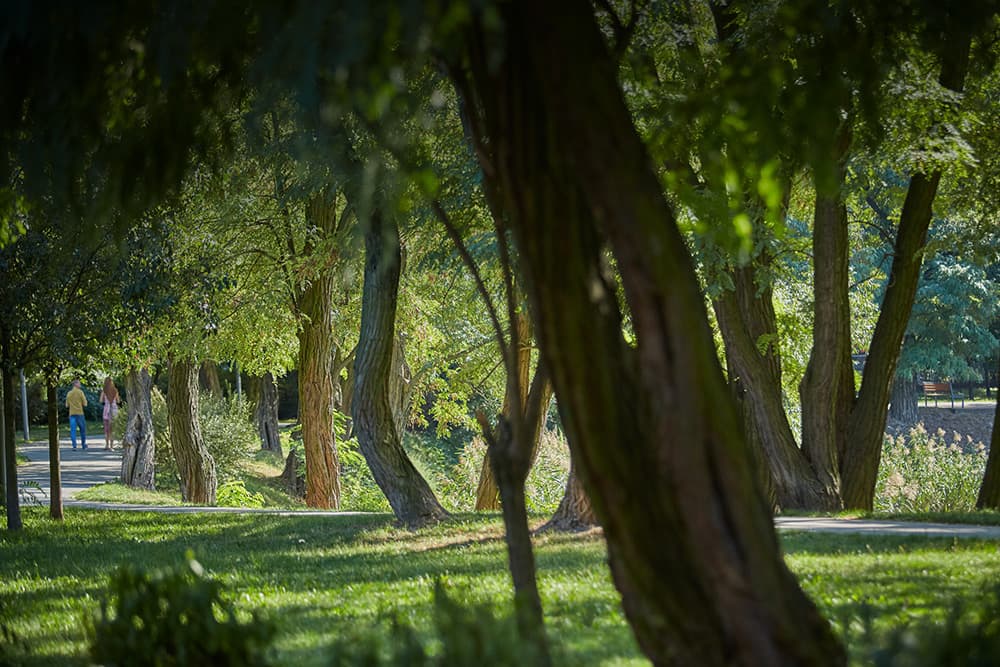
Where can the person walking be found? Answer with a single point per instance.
(110, 398)
(76, 401)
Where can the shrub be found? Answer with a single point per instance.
(463, 636)
(176, 617)
(235, 494)
(924, 473)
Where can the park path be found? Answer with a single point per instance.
(83, 469)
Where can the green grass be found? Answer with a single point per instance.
(259, 475)
(318, 577)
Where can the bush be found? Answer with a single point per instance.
(924, 473)
(226, 426)
(235, 494)
(176, 617)
(463, 636)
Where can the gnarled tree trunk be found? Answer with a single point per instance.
(315, 371)
(55, 475)
(574, 512)
(411, 498)
(788, 479)
(652, 427)
(194, 462)
(138, 443)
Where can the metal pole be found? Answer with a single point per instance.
(239, 381)
(24, 407)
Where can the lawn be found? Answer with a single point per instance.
(322, 577)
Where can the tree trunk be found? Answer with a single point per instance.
(823, 425)
(138, 443)
(904, 401)
(55, 476)
(208, 377)
(574, 513)
(510, 467)
(399, 386)
(652, 427)
(487, 491)
(295, 484)
(989, 492)
(412, 500)
(13, 499)
(265, 414)
(859, 466)
(194, 463)
(755, 378)
(315, 370)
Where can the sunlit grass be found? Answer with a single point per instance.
(318, 576)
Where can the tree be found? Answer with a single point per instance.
(194, 462)
(138, 462)
(553, 116)
(411, 499)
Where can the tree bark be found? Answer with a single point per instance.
(411, 498)
(989, 492)
(487, 491)
(138, 443)
(266, 413)
(399, 386)
(13, 499)
(208, 377)
(755, 378)
(575, 512)
(823, 417)
(904, 401)
(194, 462)
(859, 465)
(653, 427)
(55, 476)
(315, 369)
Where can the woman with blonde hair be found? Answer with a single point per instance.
(111, 399)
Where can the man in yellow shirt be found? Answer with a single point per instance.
(76, 401)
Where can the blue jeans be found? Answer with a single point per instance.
(78, 422)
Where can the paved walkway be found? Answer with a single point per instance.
(83, 469)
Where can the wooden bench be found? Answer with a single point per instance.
(938, 390)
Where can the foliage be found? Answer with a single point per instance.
(544, 488)
(465, 636)
(925, 473)
(235, 494)
(177, 617)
